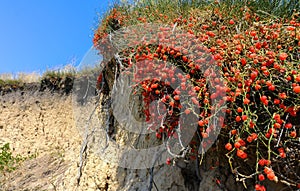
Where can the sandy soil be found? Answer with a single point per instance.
(42, 124)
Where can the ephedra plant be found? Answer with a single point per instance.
(256, 52)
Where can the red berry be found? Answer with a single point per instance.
(282, 155)
(271, 175)
(187, 111)
(204, 135)
(277, 125)
(276, 101)
(168, 161)
(153, 86)
(243, 61)
(293, 134)
(239, 110)
(259, 187)
(244, 117)
(228, 146)
(237, 145)
(246, 101)
(184, 58)
(177, 97)
(240, 153)
(267, 170)
(272, 87)
(253, 33)
(263, 98)
(261, 162)
(261, 177)
(171, 103)
(254, 136)
(283, 56)
(201, 123)
(242, 142)
(282, 95)
(158, 135)
(296, 89)
(249, 139)
(233, 132)
(253, 75)
(257, 87)
(238, 119)
(288, 126)
(267, 162)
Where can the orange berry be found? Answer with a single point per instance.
(239, 110)
(204, 135)
(177, 97)
(296, 89)
(271, 175)
(228, 146)
(240, 153)
(267, 170)
(201, 123)
(246, 101)
(153, 86)
(237, 145)
(293, 134)
(233, 132)
(187, 111)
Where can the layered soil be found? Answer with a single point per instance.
(41, 125)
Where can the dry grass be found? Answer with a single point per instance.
(35, 77)
(29, 77)
(22, 77)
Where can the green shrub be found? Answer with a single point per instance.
(8, 162)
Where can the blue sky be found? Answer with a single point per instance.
(36, 35)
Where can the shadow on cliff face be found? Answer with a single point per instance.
(58, 84)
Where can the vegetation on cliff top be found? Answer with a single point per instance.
(53, 80)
